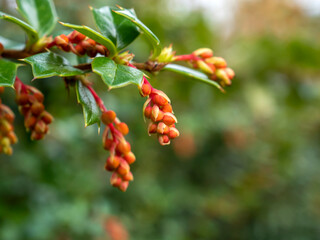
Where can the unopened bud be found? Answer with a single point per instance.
(203, 52)
(128, 177)
(36, 136)
(47, 117)
(1, 88)
(123, 147)
(80, 49)
(107, 144)
(154, 113)
(115, 180)
(37, 108)
(145, 89)
(162, 128)
(23, 99)
(40, 127)
(218, 62)
(112, 163)
(123, 128)
(173, 133)
(222, 75)
(152, 128)
(123, 186)
(204, 67)
(167, 108)
(230, 73)
(76, 37)
(62, 40)
(147, 111)
(30, 121)
(108, 117)
(123, 168)
(130, 158)
(13, 138)
(169, 119)
(159, 100)
(164, 140)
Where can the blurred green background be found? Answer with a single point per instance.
(247, 163)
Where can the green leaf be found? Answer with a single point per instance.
(90, 108)
(10, 44)
(119, 29)
(40, 14)
(50, 64)
(192, 74)
(95, 36)
(150, 35)
(8, 72)
(31, 32)
(116, 75)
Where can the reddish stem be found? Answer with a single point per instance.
(189, 57)
(19, 84)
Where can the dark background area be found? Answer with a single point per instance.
(247, 163)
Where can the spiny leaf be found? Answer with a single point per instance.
(90, 108)
(50, 64)
(8, 72)
(116, 75)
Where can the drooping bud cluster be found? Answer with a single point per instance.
(30, 102)
(79, 44)
(7, 135)
(158, 109)
(121, 156)
(216, 67)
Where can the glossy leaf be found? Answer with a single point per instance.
(50, 64)
(150, 35)
(120, 30)
(90, 108)
(8, 72)
(192, 74)
(116, 75)
(30, 31)
(98, 37)
(40, 14)
(10, 44)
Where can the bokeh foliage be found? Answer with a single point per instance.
(246, 165)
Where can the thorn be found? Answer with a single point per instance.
(118, 6)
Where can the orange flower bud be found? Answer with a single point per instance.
(145, 89)
(123, 128)
(162, 128)
(123, 168)
(173, 133)
(123, 186)
(80, 50)
(100, 49)
(76, 37)
(115, 180)
(123, 147)
(169, 119)
(130, 158)
(40, 127)
(167, 108)
(22, 99)
(1, 88)
(159, 100)
(147, 111)
(128, 177)
(152, 128)
(13, 138)
(218, 62)
(47, 117)
(5, 127)
(203, 52)
(222, 75)
(164, 140)
(91, 42)
(29, 121)
(107, 144)
(36, 136)
(204, 67)
(39, 96)
(155, 113)
(230, 73)
(37, 108)
(108, 117)
(112, 163)
(160, 116)
(62, 40)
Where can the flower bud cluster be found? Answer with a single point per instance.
(79, 44)
(158, 109)
(30, 102)
(121, 156)
(216, 67)
(7, 135)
